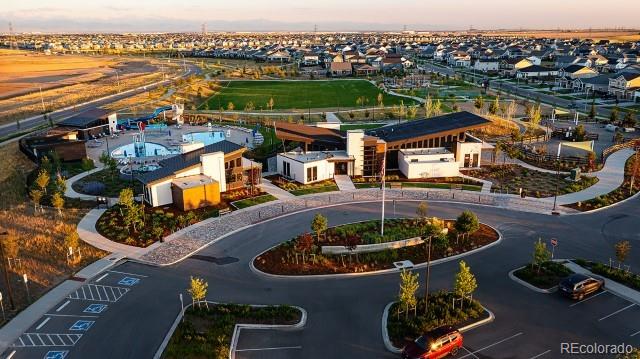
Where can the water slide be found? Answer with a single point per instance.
(132, 123)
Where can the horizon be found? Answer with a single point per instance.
(170, 16)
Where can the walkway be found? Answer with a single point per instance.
(610, 177)
(344, 182)
(486, 185)
(71, 193)
(274, 190)
(332, 118)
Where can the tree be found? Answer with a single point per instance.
(540, 254)
(579, 133)
(592, 111)
(72, 239)
(613, 117)
(412, 112)
(408, 288)
(629, 120)
(42, 181)
(511, 110)
(132, 213)
(109, 163)
(421, 210)
(494, 107)
(57, 201)
(437, 108)
(465, 283)
(479, 103)
(230, 106)
(36, 197)
(319, 225)
(622, 248)
(380, 100)
(467, 223)
(428, 106)
(61, 183)
(10, 244)
(198, 290)
(270, 103)
(304, 243)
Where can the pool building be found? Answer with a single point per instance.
(197, 178)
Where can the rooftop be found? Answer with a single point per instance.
(317, 156)
(85, 119)
(192, 181)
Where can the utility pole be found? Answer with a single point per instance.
(4, 270)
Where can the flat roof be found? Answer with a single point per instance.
(426, 151)
(419, 128)
(314, 156)
(86, 119)
(192, 181)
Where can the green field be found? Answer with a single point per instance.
(299, 94)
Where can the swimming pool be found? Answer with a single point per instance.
(208, 137)
(149, 149)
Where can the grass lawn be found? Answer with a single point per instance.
(253, 201)
(299, 94)
(113, 184)
(206, 332)
(310, 190)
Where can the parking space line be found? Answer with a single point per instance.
(72, 315)
(634, 334)
(11, 355)
(102, 277)
(92, 292)
(494, 344)
(43, 323)
(63, 305)
(541, 354)
(273, 348)
(125, 273)
(616, 312)
(589, 298)
(475, 356)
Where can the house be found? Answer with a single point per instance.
(279, 56)
(341, 69)
(624, 85)
(568, 75)
(197, 178)
(637, 96)
(459, 59)
(535, 60)
(511, 66)
(62, 140)
(486, 65)
(365, 70)
(416, 148)
(594, 85)
(536, 71)
(310, 60)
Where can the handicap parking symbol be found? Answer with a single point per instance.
(83, 325)
(56, 354)
(128, 281)
(95, 308)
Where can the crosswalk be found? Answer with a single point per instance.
(47, 340)
(100, 293)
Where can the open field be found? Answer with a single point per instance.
(298, 94)
(39, 237)
(596, 34)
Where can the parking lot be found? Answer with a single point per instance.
(541, 326)
(63, 327)
(268, 343)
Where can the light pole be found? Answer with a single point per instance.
(382, 174)
(426, 290)
(4, 270)
(555, 197)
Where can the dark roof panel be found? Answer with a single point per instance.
(170, 165)
(86, 119)
(429, 126)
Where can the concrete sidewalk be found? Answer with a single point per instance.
(486, 185)
(274, 190)
(610, 285)
(344, 182)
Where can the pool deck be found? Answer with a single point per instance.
(168, 137)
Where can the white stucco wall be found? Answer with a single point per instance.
(161, 193)
(355, 148)
(470, 148)
(419, 165)
(212, 165)
(298, 170)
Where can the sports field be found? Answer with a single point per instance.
(299, 94)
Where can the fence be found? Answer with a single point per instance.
(635, 143)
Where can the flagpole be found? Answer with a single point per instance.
(383, 173)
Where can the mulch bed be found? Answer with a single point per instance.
(278, 260)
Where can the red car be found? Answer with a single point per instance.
(437, 343)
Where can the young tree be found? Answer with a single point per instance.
(36, 196)
(230, 106)
(11, 245)
(511, 110)
(72, 239)
(319, 225)
(412, 112)
(198, 290)
(421, 210)
(380, 100)
(304, 243)
(623, 248)
(580, 133)
(437, 108)
(465, 283)
(467, 223)
(109, 163)
(428, 106)
(408, 288)
(42, 181)
(540, 254)
(614, 114)
(57, 201)
(592, 111)
(61, 183)
(629, 120)
(494, 107)
(479, 103)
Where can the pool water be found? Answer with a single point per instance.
(148, 150)
(208, 137)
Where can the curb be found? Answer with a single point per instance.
(378, 272)
(236, 329)
(389, 346)
(605, 207)
(173, 235)
(530, 286)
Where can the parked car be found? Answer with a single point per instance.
(577, 286)
(437, 343)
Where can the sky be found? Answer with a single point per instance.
(303, 15)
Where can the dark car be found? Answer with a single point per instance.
(437, 343)
(577, 286)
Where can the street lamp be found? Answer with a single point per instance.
(426, 290)
(4, 270)
(555, 197)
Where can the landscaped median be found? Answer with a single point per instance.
(542, 274)
(359, 247)
(619, 274)
(299, 189)
(436, 183)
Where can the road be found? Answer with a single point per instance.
(59, 115)
(345, 313)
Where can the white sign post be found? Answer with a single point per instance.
(554, 243)
(26, 285)
(181, 307)
(2, 306)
